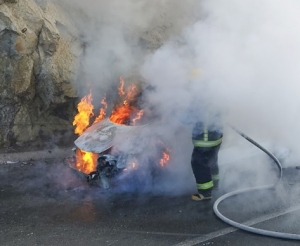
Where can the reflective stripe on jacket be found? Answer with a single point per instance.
(207, 144)
(206, 138)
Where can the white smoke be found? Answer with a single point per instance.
(249, 50)
(247, 53)
(118, 34)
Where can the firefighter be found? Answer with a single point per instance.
(207, 137)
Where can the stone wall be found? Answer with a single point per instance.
(38, 58)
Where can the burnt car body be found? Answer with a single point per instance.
(120, 149)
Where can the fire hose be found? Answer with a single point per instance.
(234, 193)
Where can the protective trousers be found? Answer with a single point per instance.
(205, 166)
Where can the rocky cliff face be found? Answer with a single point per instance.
(38, 57)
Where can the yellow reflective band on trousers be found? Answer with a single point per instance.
(216, 177)
(205, 134)
(203, 143)
(205, 186)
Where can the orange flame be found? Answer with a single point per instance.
(122, 112)
(131, 92)
(121, 87)
(85, 112)
(102, 112)
(86, 161)
(138, 116)
(165, 159)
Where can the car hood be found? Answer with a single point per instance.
(103, 135)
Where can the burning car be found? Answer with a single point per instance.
(116, 144)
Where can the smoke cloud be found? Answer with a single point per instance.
(246, 53)
(116, 35)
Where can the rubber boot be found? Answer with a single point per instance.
(202, 195)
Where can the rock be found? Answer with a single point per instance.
(36, 72)
(8, 110)
(23, 130)
(49, 38)
(22, 81)
(11, 1)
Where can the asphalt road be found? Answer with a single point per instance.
(44, 202)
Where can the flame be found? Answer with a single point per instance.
(102, 112)
(123, 110)
(121, 87)
(85, 112)
(86, 161)
(121, 114)
(165, 159)
(138, 116)
(133, 165)
(131, 92)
